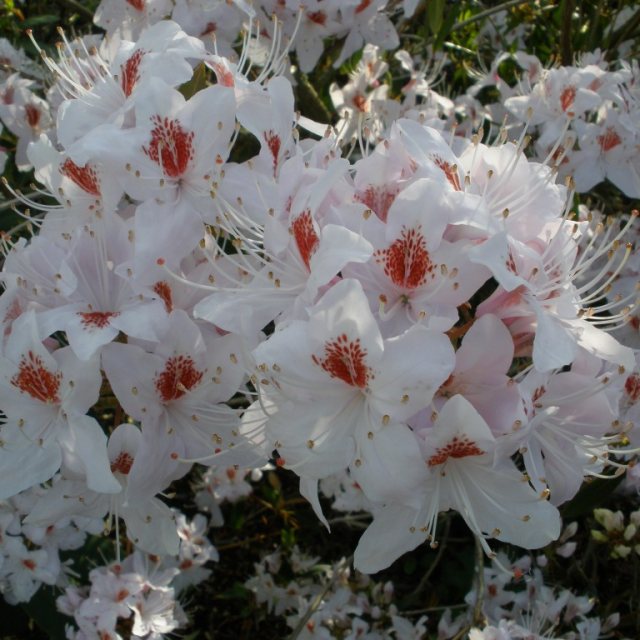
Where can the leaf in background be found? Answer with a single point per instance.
(435, 15)
(592, 495)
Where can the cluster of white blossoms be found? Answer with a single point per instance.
(423, 314)
(143, 588)
(586, 118)
(525, 608)
(329, 600)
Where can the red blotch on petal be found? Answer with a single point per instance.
(632, 387)
(130, 72)
(171, 146)
(345, 359)
(163, 290)
(450, 172)
(36, 380)
(274, 143)
(406, 262)
(378, 199)
(138, 5)
(97, 319)
(459, 447)
(609, 139)
(32, 114)
(567, 97)
(305, 236)
(319, 17)
(84, 177)
(179, 376)
(122, 464)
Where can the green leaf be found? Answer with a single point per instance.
(38, 21)
(591, 495)
(42, 610)
(198, 81)
(435, 15)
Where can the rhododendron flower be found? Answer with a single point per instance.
(336, 394)
(45, 397)
(493, 497)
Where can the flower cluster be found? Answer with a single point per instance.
(30, 553)
(145, 586)
(529, 609)
(622, 538)
(415, 322)
(329, 600)
(585, 118)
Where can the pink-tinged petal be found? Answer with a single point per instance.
(224, 367)
(392, 533)
(287, 352)
(182, 335)
(625, 177)
(131, 372)
(125, 439)
(151, 526)
(25, 338)
(82, 379)
(423, 204)
(496, 254)
(314, 438)
(414, 365)
(338, 247)
(506, 507)
(588, 171)
(165, 233)
(433, 155)
(210, 115)
(65, 499)
(601, 344)
(309, 490)
(27, 467)
(459, 421)
(245, 311)
(144, 321)
(157, 462)
(388, 465)
(554, 346)
(487, 347)
(84, 449)
(87, 332)
(344, 310)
